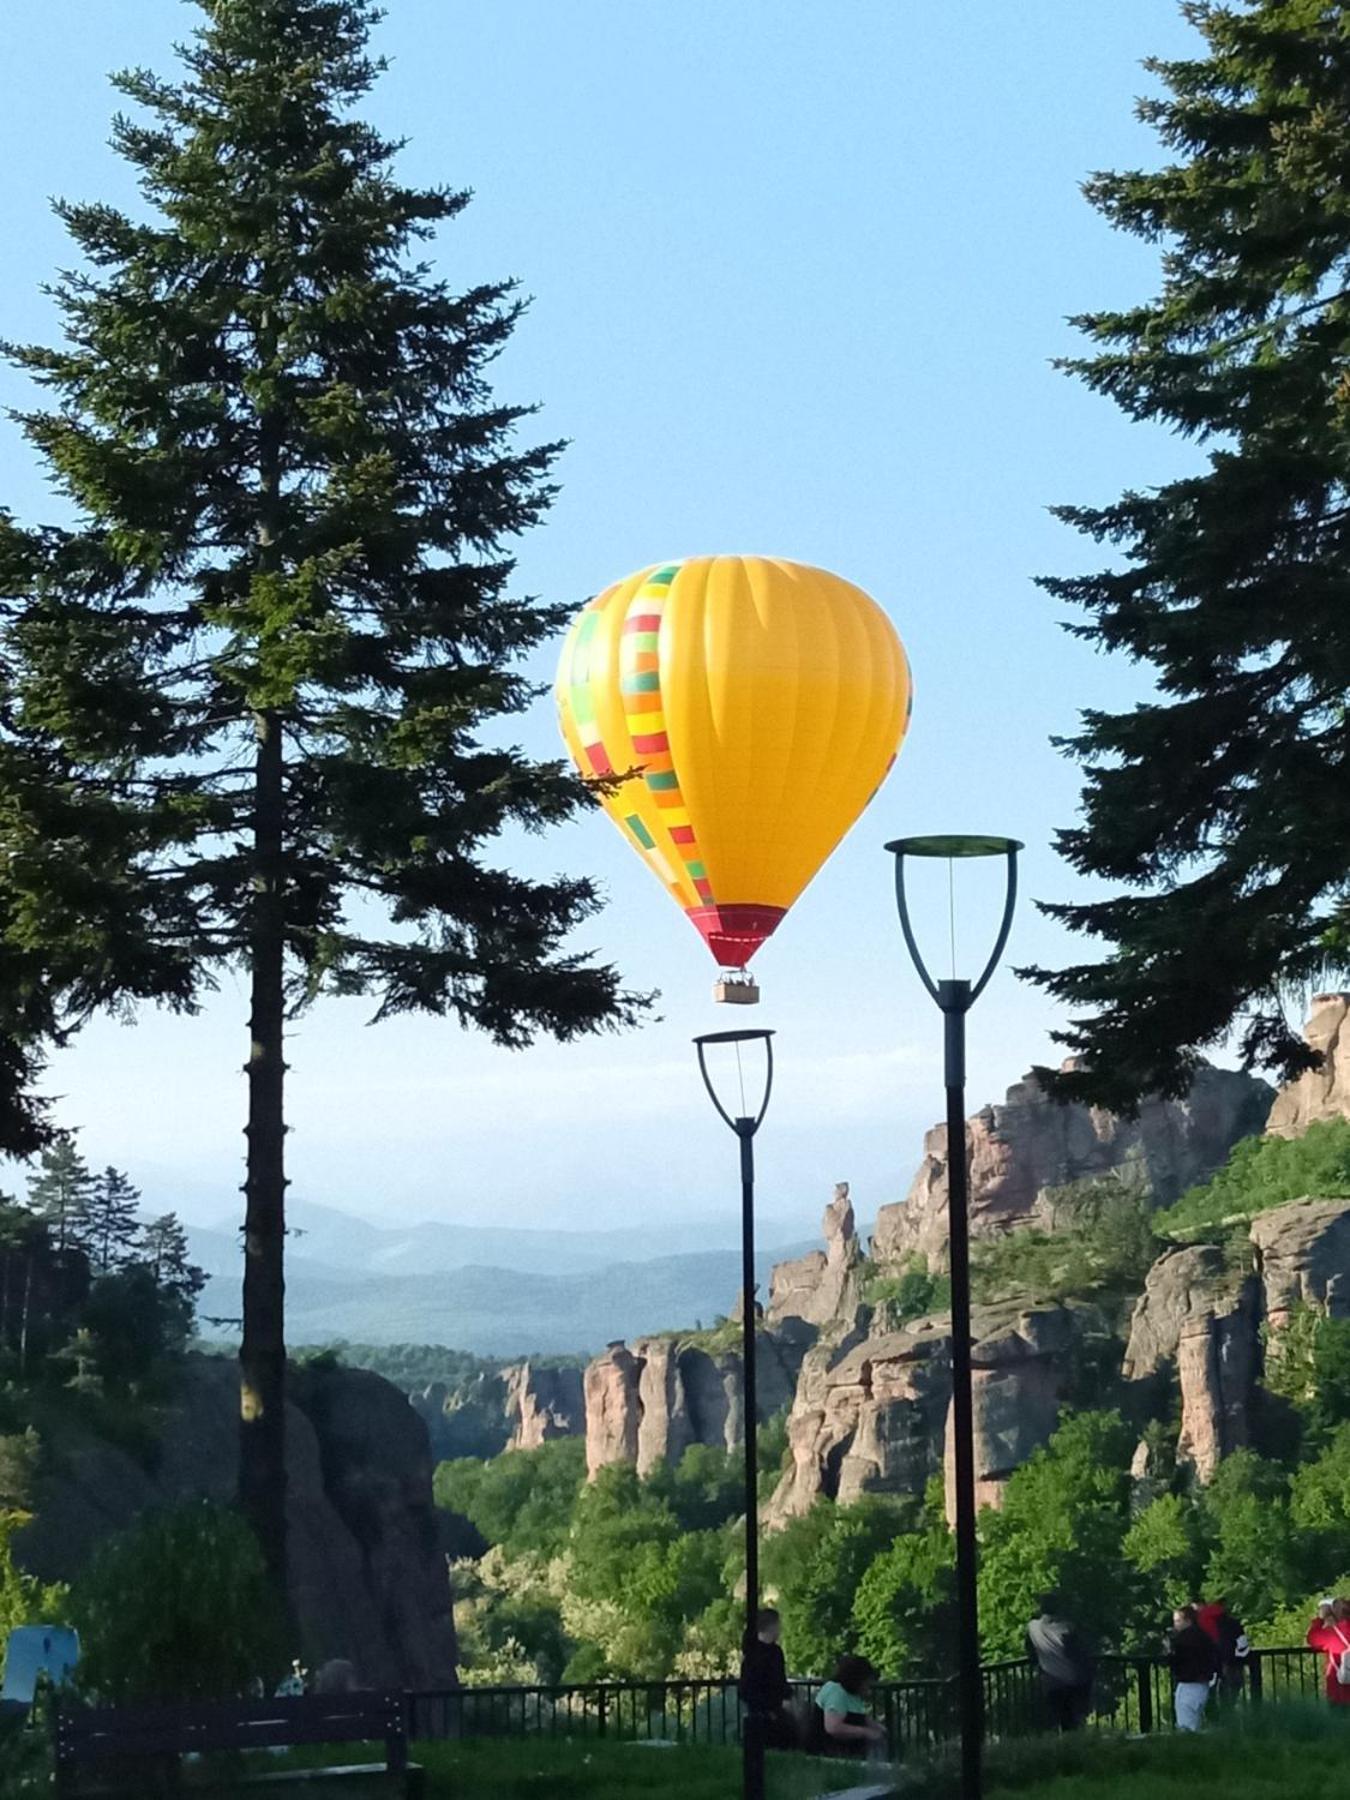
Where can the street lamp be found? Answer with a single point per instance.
(745, 1123)
(955, 997)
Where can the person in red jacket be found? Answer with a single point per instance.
(1330, 1633)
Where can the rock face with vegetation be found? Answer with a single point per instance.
(368, 1576)
(1026, 1151)
(1199, 1318)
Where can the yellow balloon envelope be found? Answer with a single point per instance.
(755, 706)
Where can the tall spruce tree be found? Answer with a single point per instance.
(111, 1220)
(264, 659)
(1222, 804)
(60, 1195)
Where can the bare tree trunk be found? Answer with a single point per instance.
(23, 1328)
(262, 1355)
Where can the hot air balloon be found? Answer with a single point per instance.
(754, 707)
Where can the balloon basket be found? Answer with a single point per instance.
(738, 989)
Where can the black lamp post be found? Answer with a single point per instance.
(745, 1124)
(955, 997)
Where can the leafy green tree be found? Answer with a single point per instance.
(1220, 804)
(813, 1569)
(1319, 1509)
(61, 1193)
(1167, 1545)
(111, 1220)
(1061, 1528)
(1255, 1560)
(644, 1577)
(706, 1489)
(272, 658)
(905, 1608)
(179, 1607)
(20, 1459)
(523, 1499)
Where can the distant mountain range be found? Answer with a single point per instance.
(492, 1290)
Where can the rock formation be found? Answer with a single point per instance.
(1200, 1317)
(824, 1285)
(1025, 1150)
(872, 1409)
(647, 1405)
(541, 1404)
(613, 1409)
(1323, 1093)
(368, 1576)
(1302, 1251)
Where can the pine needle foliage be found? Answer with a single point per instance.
(1219, 807)
(255, 701)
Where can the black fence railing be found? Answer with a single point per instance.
(1130, 1694)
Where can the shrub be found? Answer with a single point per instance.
(178, 1608)
(1263, 1173)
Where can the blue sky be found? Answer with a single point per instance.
(799, 273)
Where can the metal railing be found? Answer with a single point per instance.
(1130, 1694)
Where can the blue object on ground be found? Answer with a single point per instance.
(33, 1650)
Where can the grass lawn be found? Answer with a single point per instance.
(1283, 1753)
(509, 1769)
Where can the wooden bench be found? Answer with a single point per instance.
(138, 1750)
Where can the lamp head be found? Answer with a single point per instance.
(748, 1120)
(953, 995)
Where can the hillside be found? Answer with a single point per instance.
(490, 1311)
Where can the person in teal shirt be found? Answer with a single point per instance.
(841, 1723)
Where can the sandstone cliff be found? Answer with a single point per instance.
(1201, 1315)
(1323, 1093)
(1024, 1151)
(648, 1404)
(541, 1404)
(872, 1412)
(368, 1577)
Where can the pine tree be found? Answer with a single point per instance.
(267, 655)
(60, 1195)
(1222, 803)
(162, 1245)
(111, 1220)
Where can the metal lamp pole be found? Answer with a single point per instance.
(955, 999)
(745, 1125)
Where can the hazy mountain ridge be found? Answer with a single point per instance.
(493, 1309)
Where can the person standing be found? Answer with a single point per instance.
(1195, 1663)
(765, 1692)
(1056, 1646)
(1230, 1640)
(1330, 1633)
